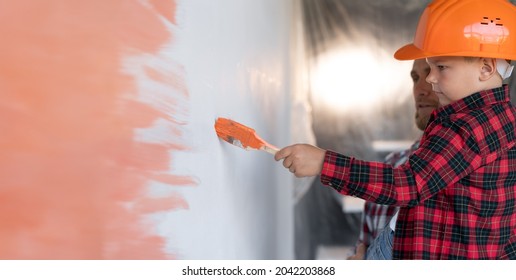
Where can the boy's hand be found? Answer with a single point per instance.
(302, 159)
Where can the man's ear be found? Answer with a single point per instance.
(488, 68)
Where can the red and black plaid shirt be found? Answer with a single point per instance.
(457, 192)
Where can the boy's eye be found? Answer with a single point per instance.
(415, 78)
(441, 67)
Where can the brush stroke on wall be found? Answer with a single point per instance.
(91, 112)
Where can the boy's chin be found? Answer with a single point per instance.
(443, 101)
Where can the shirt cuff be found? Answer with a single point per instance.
(334, 171)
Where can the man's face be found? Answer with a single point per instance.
(424, 97)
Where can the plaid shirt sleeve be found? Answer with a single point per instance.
(447, 154)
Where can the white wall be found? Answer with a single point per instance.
(235, 56)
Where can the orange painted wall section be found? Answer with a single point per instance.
(73, 176)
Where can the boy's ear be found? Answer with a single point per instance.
(488, 68)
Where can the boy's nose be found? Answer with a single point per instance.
(430, 78)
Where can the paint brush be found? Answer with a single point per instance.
(242, 136)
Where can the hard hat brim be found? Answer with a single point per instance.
(410, 52)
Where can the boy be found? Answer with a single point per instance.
(457, 192)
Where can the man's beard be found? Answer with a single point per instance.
(421, 122)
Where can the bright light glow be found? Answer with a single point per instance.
(356, 78)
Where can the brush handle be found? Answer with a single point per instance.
(269, 149)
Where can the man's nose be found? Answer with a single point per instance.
(422, 88)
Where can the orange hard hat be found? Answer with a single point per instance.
(477, 28)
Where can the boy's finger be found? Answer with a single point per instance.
(281, 154)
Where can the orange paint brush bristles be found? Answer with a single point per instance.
(242, 136)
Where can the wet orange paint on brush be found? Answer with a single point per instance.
(242, 136)
(73, 179)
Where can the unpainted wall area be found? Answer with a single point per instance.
(236, 59)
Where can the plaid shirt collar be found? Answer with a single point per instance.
(476, 100)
